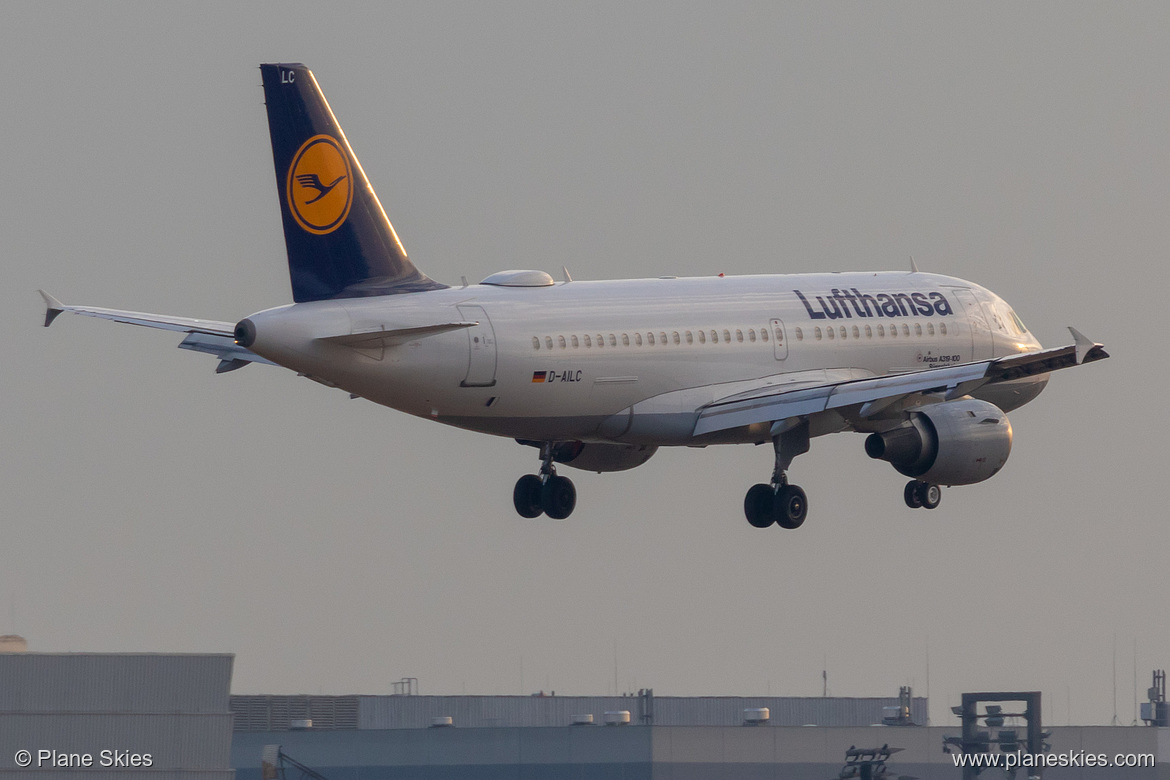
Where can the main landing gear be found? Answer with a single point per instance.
(779, 502)
(924, 495)
(545, 493)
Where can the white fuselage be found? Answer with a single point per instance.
(633, 360)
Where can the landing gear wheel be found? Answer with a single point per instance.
(791, 507)
(930, 495)
(526, 496)
(911, 494)
(558, 497)
(758, 506)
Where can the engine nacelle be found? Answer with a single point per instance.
(598, 457)
(951, 443)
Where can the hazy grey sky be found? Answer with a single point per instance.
(336, 546)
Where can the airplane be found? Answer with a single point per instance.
(597, 375)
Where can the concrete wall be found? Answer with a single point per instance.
(659, 752)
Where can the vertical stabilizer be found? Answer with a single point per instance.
(340, 243)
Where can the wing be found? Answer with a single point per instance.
(872, 396)
(210, 336)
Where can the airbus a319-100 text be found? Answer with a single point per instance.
(599, 374)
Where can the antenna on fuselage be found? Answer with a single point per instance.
(565, 270)
(913, 265)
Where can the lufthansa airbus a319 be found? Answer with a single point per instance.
(598, 375)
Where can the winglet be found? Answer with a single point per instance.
(53, 307)
(1087, 350)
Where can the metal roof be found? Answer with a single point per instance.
(171, 707)
(114, 682)
(274, 713)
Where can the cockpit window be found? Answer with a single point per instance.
(1018, 322)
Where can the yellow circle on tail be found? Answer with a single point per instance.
(320, 185)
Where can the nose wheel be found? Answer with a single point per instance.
(545, 493)
(919, 494)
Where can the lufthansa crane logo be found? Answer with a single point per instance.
(320, 185)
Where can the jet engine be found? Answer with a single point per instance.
(952, 443)
(598, 457)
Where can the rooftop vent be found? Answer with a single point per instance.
(11, 643)
(756, 716)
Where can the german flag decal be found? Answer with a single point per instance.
(539, 376)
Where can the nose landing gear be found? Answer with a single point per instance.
(545, 493)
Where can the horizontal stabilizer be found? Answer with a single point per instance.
(208, 336)
(231, 355)
(388, 338)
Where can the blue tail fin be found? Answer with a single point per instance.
(340, 243)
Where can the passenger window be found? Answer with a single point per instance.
(893, 331)
(799, 334)
(588, 341)
(817, 331)
(625, 339)
(739, 335)
(637, 339)
(930, 329)
(612, 340)
(843, 333)
(561, 341)
(881, 331)
(574, 342)
(650, 339)
(674, 336)
(856, 332)
(535, 343)
(905, 329)
(727, 335)
(868, 332)
(690, 338)
(702, 337)
(548, 341)
(662, 337)
(942, 328)
(832, 333)
(751, 334)
(764, 335)
(600, 341)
